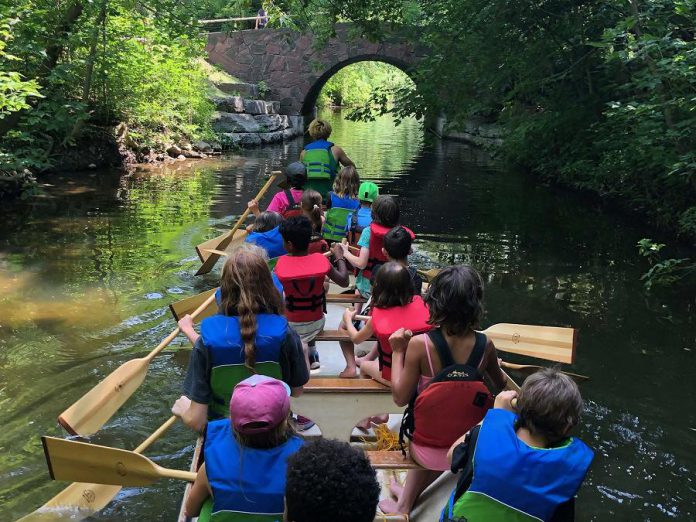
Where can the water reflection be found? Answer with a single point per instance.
(87, 271)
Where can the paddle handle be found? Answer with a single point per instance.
(260, 195)
(177, 330)
(362, 317)
(178, 474)
(511, 385)
(156, 434)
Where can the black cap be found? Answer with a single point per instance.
(296, 173)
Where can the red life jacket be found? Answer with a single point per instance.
(294, 208)
(318, 246)
(385, 321)
(454, 401)
(377, 258)
(302, 278)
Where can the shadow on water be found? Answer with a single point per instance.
(88, 268)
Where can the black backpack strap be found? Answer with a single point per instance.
(291, 200)
(354, 221)
(443, 349)
(478, 351)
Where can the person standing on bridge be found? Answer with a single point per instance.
(322, 158)
(261, 18)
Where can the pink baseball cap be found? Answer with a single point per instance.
(259, 403)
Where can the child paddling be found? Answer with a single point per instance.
(249, 335)
(441, 372)
(246, 456)
(509, 474)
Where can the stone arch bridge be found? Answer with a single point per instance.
(293, 69)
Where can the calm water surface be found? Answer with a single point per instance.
(87, 271)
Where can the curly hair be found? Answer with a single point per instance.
(346, 183)
(330, 480)
(455, 299)
(319, 129)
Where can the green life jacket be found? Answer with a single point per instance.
(319, 160)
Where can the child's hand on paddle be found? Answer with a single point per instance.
(399, 340)
(504, 400)
(181, 405)
(186, 324)
(337, 250)
(349, 315)
(253, 205)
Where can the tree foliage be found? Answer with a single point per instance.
(596, 93)
(357, 84)
(98, 63)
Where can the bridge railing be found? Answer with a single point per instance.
(238, 23)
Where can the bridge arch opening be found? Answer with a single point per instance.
(309, 105)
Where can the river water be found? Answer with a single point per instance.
(88, 268)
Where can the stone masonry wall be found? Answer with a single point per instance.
(292, 68)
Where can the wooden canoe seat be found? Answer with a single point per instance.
(338, 385)
(335, 335)
(391, 460)
(345, 298)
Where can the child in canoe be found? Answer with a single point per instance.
(509, 474)
(330, 481)
(385, 216)
(287, 201)
(264, 233)
(441, 375)
(249, 335)
(361, 218)
(341, 202)
(397, 247)
(311, 209)
(394, 306)
(246, 456)
(302, 276)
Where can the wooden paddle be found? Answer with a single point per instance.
(222, 242)
(79, 461)
(204, 249)
(97, 406)
(429, 275)
(551, 343)
(529, 369)
(81, 500)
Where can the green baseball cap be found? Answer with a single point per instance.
(368, 191)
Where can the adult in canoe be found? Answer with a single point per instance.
(249, 335)
(322, 158)
(440, 377)
(246, 456)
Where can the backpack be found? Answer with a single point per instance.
(294, 209)
(458, 389)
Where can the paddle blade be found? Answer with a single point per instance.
(529, 369)
(550, 343)
(78, 461)
(78, 501)
(212, 244)
(96, 407)
(188, 305)
(429, 275)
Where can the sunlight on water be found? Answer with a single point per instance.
(88, 269)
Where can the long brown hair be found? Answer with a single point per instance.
(311, 207)
(246, 289)
(347, 183)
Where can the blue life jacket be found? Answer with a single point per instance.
(335, 223)
(514, 482)
(356, 222)
(221, 336)
(248, 484)
(276, 283)
(271, 242)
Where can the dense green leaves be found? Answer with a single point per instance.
(596, 93)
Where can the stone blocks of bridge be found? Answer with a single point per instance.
(293, 67)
